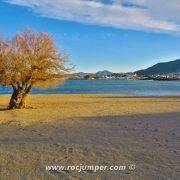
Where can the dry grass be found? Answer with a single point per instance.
(91, 129)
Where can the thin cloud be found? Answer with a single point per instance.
(154, 15)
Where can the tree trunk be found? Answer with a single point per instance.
(17, 100)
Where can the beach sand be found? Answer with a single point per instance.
(92, 130)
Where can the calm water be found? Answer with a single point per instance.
(111, 87)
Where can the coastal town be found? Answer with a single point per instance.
(126, 76)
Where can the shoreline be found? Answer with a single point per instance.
(99, 94)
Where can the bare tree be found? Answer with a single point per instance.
(29, 60)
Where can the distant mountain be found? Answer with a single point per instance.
(104, 73)
(161, 68)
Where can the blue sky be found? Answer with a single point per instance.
(118, 35)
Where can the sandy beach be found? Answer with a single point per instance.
(93, 130)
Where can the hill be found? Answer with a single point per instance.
(104, 73)
(162, 68)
